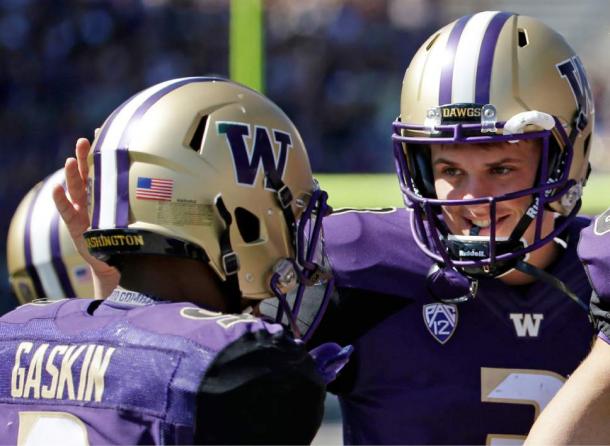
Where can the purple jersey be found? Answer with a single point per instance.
(429, 373)
(111, 372)
(594, 251)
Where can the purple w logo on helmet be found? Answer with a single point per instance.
(247, 158)
(573, 70)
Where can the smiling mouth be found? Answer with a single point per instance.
(483, 226)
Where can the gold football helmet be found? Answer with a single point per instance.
(490, 77)
(208, 169)
(42, 260)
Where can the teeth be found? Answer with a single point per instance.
(481, 223)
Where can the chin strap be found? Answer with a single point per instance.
(525, 220)
(540, 274)
(230, 259)
(534, 271)
(284, 198)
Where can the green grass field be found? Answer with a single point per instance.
(381, 190)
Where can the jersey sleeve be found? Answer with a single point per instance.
(594, 252)
(350, 314)
(261, 389)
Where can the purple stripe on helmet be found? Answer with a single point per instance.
(57, 260)
(102, 136)
(27, 247)
(97, 187)
(97, 165)
(486, 56)
(446, 86)
(122, 153)
(122, 190)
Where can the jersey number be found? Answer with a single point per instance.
(441, 327)
(518, 386)
(39, 428)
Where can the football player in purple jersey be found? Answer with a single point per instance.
(202, 203)
(580, 411)
(467, 309)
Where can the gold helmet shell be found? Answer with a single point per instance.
(42, 260)
(180, 162)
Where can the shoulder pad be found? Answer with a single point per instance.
(212, 329)
(375, 251)
(39, 309)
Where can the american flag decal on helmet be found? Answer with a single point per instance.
(441, 320)
(154, 189)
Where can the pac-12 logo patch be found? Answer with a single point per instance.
(441, 320)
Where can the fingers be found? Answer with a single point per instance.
(64, 206)
(77, 188)
(77, 222)
(72, 206)
(82, 152)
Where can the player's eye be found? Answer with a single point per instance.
(451, 171)
(501, 170)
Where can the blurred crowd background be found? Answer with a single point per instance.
(335, 66)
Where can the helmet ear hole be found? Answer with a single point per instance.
(523, 40)
(197, 138)
(248, 224)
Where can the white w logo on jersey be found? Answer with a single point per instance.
(527, 324)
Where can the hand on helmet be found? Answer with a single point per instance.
(73, 211)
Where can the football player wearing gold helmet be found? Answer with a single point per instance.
(42, 260)
(466, 308)
(202, 205)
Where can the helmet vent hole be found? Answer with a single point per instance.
(197, 139)
(522, 38)
(248, 224)
(432, 42)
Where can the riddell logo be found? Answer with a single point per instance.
(533, 209)
(471, 253)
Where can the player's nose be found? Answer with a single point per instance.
(476, 186)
